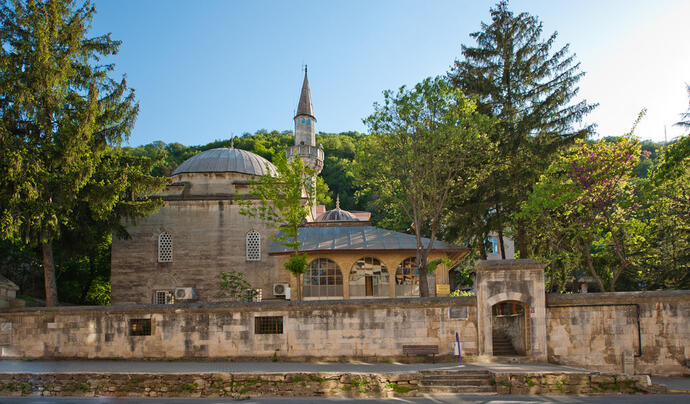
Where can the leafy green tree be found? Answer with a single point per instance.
(519, 79)
(665, 263)
(283, 202)
(59, 110)
(426, 145)
(673, 164)
(583, 207)
(233, 285)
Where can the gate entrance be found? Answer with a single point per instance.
(509, 329)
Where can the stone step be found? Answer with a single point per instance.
(443, 382)
(456, 372)
(455, 377)
(458, 389)
(504, 352)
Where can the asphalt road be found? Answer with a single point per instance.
(435, 399)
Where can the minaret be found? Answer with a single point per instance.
(305, 132)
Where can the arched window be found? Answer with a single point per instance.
(165, 247)
(407, 278)
(369, 278)
(323, 280)
(253, 246)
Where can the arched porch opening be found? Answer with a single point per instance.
(323, 280)
(407, 278)
(369, 278)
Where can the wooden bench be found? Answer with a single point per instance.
(421, 350)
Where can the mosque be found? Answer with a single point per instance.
(176, 254)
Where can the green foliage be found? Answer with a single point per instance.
(282, 202)
(457, 293)
(398, 388)
(233, 285)
(530, 89)
(426, 145)
(665, 226)
(673, 162)
(99, 292)
(431, 266)
(583, 209)
(60, 110)
(297, 264)
(463, 276)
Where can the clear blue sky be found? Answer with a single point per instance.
(205, 70)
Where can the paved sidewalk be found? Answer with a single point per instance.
(674, 384)
(13, 366)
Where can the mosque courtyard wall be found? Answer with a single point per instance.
(595, 331)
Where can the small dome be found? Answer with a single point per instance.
(223, 160)
(336, 215)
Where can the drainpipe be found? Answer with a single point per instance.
(637, 307)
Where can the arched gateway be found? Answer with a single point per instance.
(511, 308)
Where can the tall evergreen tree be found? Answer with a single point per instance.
(59, 110)
(519, 79)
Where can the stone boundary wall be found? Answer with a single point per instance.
(600, 331)
(359, 385)
(238, 386)
(573, 383)
(374, 329)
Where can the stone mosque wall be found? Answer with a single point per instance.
(208, 237)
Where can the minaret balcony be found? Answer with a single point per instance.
(311, 155)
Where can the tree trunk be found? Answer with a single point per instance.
(49, 275)
(482, 247)
(522, 240)
(500, 243)
(423, 283)
(299, 287)
(92, 276)
(590, 266)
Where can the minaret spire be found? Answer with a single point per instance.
(305, 107)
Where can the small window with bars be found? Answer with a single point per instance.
(165, 247)
(253, 246)
(139, 326)
(268, 325)
(162, 297)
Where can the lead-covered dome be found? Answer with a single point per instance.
(336, 215)
(223, 160)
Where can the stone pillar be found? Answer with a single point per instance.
(8, 291)
(519, 280)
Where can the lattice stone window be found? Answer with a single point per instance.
(165, 247)
(140, 326)
(253, 246)
(162, 297)
(268, 325)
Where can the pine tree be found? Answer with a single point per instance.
(59, 111)
(530, 89)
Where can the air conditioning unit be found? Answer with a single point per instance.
(185, 294)
(281, 289)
